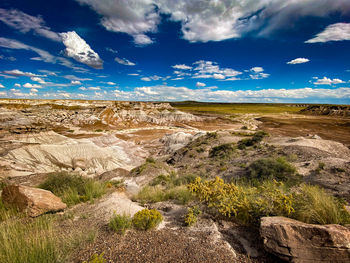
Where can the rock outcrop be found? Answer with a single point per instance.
(299, 242)
(329, 110)
(33, 201)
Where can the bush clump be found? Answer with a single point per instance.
(147, 219)
(120, 223)
(73, 189)
(247, 203)
(314, 205)
(256, 138)
(268, 169)
(222, 151)
(192, 215)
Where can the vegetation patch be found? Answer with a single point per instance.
(247, 204)
(222, 151)
(120, 223)
(268, 169)
(166, 187)
(247, 142)
(314, 205)
(74, 189)
(192, 215)
(147, 219)
(96, 258)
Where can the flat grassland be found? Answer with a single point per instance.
(236, 108)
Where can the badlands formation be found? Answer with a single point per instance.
(146, 145)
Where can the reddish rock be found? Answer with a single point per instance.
(33, 201)
(299, 242)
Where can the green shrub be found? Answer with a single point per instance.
(315, 206)
(73, 189)
(120, 223)
(247, 142)
(222, 151)
(278, 169)
(96, 259)
(192, 215)
(147, 219)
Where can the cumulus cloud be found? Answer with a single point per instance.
(111, 83)
(335, 32)
(78, 49)
(209, 69)
(132, 17)
(19, 73)
(327, 81)
(25, 23)
(75, 82)
(298, 61)
(37, 79)
(182, 66)
(32, 86)
(33, 90)
(169, 93)
(200, 84)
(257, 69)
(72, 77)
(17, 85)
(2, 86)
(124, 61)
(203, 21)
(90, 88)
(155, 77)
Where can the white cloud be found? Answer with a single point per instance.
(208, 69)
(82, 88)
(48, 72)
(203, 21)
(78, 49)
(133, 74)
(72, 77)
(3, 93)
(298, 61)
(218, 76)
(33, 90)
(32, 86)
(111, 83)
(259, 76)
(19, 73)
(200, 84)
(2, 86)
(327, 81)
(132, 17)
(334, 32)
(162, 92)
(37, 79)
(17, 85)
(25, 23)
(182, 66)
(90, 88)
(75, 82)
(146, 79)
(111, 50)
(43, 55)
(257, 69)
(124, 61)
(155, 77)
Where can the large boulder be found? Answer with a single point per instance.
(295, 241)
(33, 201)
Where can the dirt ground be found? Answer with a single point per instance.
(330, 128)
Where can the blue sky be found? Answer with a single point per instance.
(205, 50)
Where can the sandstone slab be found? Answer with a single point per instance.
(299, 242)
(33, 201)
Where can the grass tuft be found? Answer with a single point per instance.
(120, 223)
(74, 189)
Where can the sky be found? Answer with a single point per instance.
(285, 51)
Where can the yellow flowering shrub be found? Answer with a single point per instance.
(147, 219)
